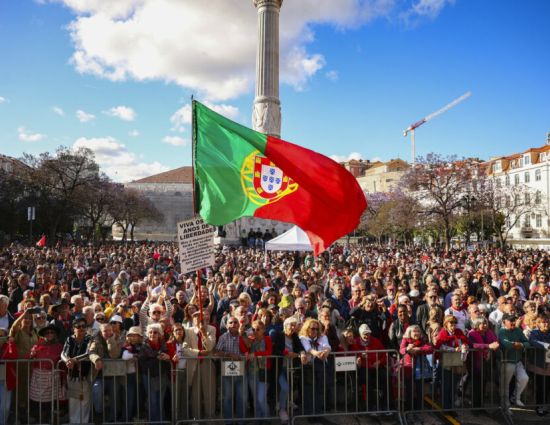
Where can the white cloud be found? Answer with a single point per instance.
(116, 161)
(125, 113)
(57, 110)
(429, 9)
(133, 133)
(174, 140)
(343, 158)
(28, 136)
(2, 99)
(212, 44)
(84, 116)
(182, 116)
(332, 75)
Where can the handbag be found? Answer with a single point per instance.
(422, 368)
(450, 359)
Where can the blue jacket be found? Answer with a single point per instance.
(541, 342)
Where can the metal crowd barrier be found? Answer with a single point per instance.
(214, 389)
(36, 390)
(370, 381)
(447, 381)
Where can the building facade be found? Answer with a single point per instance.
(529, 169)
(382, 176)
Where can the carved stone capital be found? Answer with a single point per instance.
(260, 3)
(266, 116)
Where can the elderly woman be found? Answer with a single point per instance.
(483, 340)
(257, 347)
(450, 340)
(154, 366)
(414, 349)
(317, 348)
(287, 344)
(45, 385)
(540, 339)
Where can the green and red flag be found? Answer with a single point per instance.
(240, 172)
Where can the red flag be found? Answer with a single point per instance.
(42, 241)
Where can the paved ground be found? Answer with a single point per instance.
(519, 416)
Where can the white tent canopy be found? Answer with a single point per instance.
(294, 239)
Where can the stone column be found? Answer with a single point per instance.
(266, 116)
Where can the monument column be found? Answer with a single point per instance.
(266, 115)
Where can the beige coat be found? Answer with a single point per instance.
(191, 348)
(97, 350)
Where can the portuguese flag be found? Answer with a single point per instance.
(240, 172)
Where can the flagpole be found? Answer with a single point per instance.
(193, 148)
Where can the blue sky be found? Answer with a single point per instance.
(117, 76)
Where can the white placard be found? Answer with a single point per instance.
(233, 368)
(345, 364)
(196, 244)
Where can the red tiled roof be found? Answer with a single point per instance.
(178, 175)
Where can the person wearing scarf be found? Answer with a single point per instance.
(458, 311)
(450, 339)
(257, 347)
(43, 379)
(154, 366)
(317, 348)
(414, 349)
(483, 341)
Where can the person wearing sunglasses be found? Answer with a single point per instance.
(75, 356)
(257, 348)
(317, 348)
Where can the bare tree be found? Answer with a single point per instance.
(438, 184)
(56, 181)
(505, 206)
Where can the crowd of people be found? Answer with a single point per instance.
(450, 320)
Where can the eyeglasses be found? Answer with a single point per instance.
(153, 332)
(100, 319)
(79, 326)
(155, 312)
(313, 329)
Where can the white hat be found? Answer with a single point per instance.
(116, 318)
(364, 329)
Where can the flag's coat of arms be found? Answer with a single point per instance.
(263, 181)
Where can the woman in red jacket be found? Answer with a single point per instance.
(8, 351)
(450, 340)
(415, 348)
(256, 347)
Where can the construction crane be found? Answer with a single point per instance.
(417, 124)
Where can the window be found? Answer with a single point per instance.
(537, 197)
(508, 222)
(516, 179)
(516, 200)
(538, 220)
(527, 198)
(527, 177)
(499, 183)
(507, 202)
(507, 181)
(517, 223)
(527, 221)
(526, 160)
(537, 175)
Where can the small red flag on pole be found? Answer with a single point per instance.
(42, 241)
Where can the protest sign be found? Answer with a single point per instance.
(196, 244)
